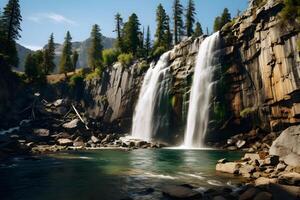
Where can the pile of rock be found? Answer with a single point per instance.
(250, 142)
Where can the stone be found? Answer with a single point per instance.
(291, 178)
(284, 192)
(263, 196)
(65, 142)
(180, 192)
(229, 167)
(72, 124)
(249, 193)
(265, 181)
(41, 132)
(252, 156)
(95, 139)
(246, 170)
(232, 148)
(287, 144)
(58, 102)
(223, 160)
(280, 167)
(219, 198)
(272, 160)
(240, 143)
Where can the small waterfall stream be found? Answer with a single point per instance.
(199, 103)
(150, 111)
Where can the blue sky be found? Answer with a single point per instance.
(42, 17)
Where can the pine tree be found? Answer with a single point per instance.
(217, 24)
(220, 21)
(31, 69)
(190, 18)
(49, 55)
(95, 50)
(168, 35)
(225, 17)
(9, 32)
(33, 66)
(161, 21)
(65, 61)
(198, 30)
(131, 36)
(75, 56)
(148, 42)
(177, 19)
(118, 30)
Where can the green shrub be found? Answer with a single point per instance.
(244, 113)
(76, 79)
(291, 11)
(95, 74)
(110, 56)
(125, 59)
(159, 51)
(143, 66)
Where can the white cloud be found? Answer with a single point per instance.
(53, 17)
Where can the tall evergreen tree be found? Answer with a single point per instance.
(132, 34)
(190, 18)
(220, 21)
(217, 24)
(198, 30)
(95, 50)
(10, 31)
(177, 19)
(49, 55)
(161, 21)
(118, 30)
(148, 42)
(31, 68)
(167, 35)
(75, 56)
(65, 61)
(225, 17)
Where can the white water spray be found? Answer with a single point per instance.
(199, 103)
(154, 86)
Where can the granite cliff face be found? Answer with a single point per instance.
(262, 63)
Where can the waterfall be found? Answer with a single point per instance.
(199, 102)
(147, 117)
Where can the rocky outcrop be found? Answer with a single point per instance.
(287, 146)
(262, 70)
(111, 98)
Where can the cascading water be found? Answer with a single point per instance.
(154, 92)
(198, 112)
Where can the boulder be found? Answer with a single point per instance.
(272, 160)
(291, 178)
(249, 193)
(229, 167)
(72, 124)
(240, 143)
(180, 192)
(265, 181)
(287, 146)
(41, 132)
(251, 156)
(95, 139)
(65, 142)
(263, 196)
(280, 167)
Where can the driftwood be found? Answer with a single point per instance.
(77, 113)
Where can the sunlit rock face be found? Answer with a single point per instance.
(263, 70)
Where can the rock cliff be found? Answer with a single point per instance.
(262, 70)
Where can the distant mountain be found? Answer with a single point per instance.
(80, 47)
(22, 53)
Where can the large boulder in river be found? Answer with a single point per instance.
(228, 167)
(287, 146)
(180, 192)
